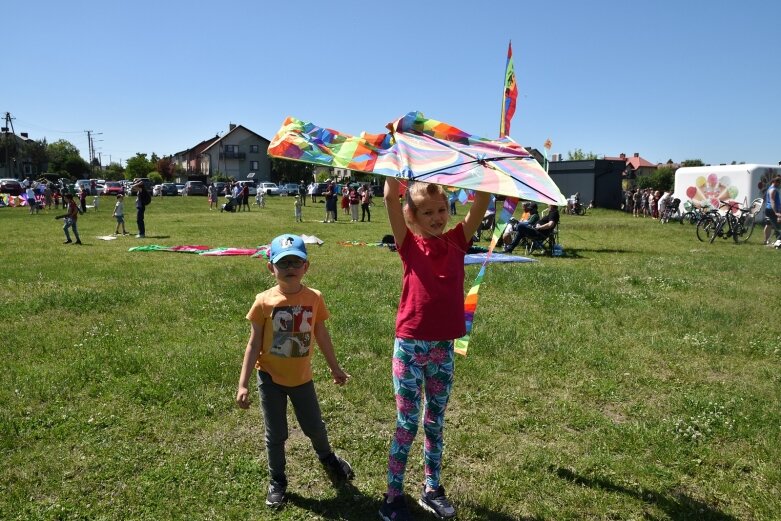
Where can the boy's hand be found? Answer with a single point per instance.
(242, 397)
(339, 376)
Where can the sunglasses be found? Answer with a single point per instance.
(289, 262)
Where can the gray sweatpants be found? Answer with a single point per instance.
(273, 403)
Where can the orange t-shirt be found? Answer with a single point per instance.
(288, 323)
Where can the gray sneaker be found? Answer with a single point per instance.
(437, 503)
(337, 468)
(276, 495)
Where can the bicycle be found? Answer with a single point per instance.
(738, 227)
(693, 214)
(575, 208)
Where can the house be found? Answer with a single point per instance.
(636, 166)
(239, 154)
(15, 160)
(189, 161)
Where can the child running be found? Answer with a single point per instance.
(284, 321)
(429, 319)
(71, 219)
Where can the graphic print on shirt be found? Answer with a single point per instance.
(292, 329)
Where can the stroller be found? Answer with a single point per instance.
(672, 211)
(229, 206)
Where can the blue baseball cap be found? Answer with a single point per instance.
(285, 245)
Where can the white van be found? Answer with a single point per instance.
(249, 182)
(708, 185)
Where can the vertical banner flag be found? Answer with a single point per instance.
(509, 96)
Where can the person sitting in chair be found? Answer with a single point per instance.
(536, 232)
(528, 219)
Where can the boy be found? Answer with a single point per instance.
(284, 321)
(297, 206)
(119, 215)
(70, 220)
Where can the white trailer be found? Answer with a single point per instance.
(707, 185)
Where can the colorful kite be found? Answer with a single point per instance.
(422, 149)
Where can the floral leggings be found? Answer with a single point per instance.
(419, 365)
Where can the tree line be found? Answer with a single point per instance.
(64, 159)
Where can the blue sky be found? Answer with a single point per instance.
(668, 79)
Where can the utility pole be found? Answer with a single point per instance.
(9, 124)
(91, 144)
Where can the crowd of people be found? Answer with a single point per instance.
(350, 198)
(646, 202)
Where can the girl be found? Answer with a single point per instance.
(354, 199)
(429, 319)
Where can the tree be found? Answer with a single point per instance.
(61, 152)
(286, 170)
(138, 166)
(114, 172)
(76, 167)
(692, 162)
(166, 167)
(663, 179)
(579, 155)
(35, 151)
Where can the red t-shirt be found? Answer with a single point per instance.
(432, 288)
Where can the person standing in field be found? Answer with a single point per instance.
(285, 322)
(119, 214)
(366, 203)
(297, 208)
(355, 200)
(71, 219)
(143, 198)
(429, 319)
(772, 209)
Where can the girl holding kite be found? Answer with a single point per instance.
(429, 319)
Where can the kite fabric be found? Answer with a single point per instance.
(481, 258)
(510, 95)
(260, 251)
(422, 149)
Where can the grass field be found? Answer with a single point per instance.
(638, 377)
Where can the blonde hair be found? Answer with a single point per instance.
(418, 191)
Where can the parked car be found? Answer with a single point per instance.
(86, 185)
(10, 186)
(168, 189)
(288, 189)
(252, 188)
(180, 188)
(269, 188)
(320, 188)
(114, 188)
(219, 186)
(195, 188)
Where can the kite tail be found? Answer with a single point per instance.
(472, 297)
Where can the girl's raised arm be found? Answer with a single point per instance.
(476, 213)
(395, 212)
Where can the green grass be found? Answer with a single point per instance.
(638, 377)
